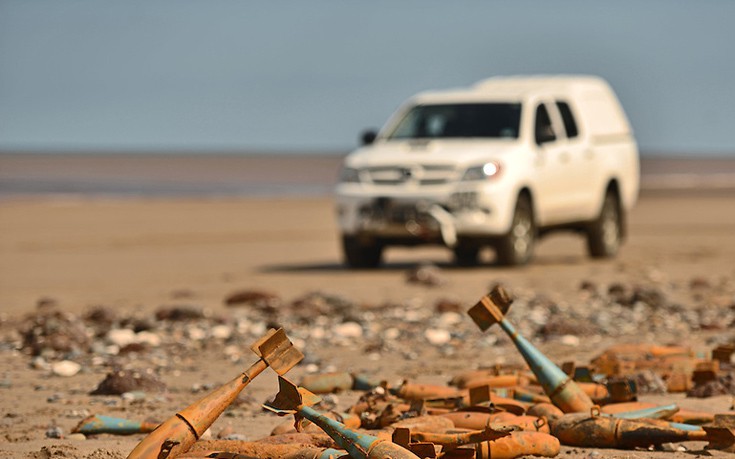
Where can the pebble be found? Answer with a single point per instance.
(65, 368)
(437, 337)
(348, 330)
(120, 337)
(221, 331)
(54, 432)
(76, 436)
(570, 340)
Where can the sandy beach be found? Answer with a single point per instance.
(136, 255)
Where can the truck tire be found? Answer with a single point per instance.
(358, 254)
(466, 254)
(516, 247)
(604, 235)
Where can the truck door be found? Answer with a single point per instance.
(552, 181)
(580, 167)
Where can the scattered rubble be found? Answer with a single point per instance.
(135, 348)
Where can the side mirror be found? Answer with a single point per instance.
(368, 137)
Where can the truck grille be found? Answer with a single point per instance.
(423, 175)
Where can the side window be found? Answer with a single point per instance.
(543, 130)
(566, 115)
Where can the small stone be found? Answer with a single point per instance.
(179, 313)
(39, 363)
(425, 274)
(570, 340)
(450, 318)
(119, 382)
(54, 432)
(76, 436)
(672, 447)
(65, 368)
(437, 336)
(133, 396)
(149, 338)
(348, 330)
(221, 331)
(120, 337)
(196, 333)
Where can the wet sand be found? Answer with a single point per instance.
(134, 254)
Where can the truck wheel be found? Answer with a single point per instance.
(604, 235)
(466, 255)
(359, 254)
(516, 247)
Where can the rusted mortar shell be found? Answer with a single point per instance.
(580, 429)
(545, 410)
(460, 380)
(644, 350)
(498, 381)
(655, 412)
(293, 400)
(98, 424)
(178, 433)
(246, 449)
(525, 422)
(559, 386)
(327, 383)
(453, 440)
(478, 421)
(681, 416)
(412, 391)
(518, 444)
(349, 420)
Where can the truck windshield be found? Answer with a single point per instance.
(494, 120)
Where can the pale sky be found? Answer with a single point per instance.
(275, 75)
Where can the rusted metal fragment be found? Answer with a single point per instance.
(298, 401)
(176, 435)
(560, 388)
(579, 429)
(99, 424)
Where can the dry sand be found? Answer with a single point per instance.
(133, 254)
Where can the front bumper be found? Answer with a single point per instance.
(430, 218)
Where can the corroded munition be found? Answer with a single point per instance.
(581, 429)
(517, 444)
(178, 433)
(98, 424)
(297, 401)
(326, 383)
(559, 386)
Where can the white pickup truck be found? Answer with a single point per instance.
(498, 164)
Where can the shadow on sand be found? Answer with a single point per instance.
(332, 266)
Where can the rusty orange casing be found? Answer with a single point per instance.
(525, 422)
(498, 381)
(413, 391)
(518, 444)
(579, 429)
(561, 389)
(176, 435)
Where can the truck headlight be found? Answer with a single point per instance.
(483, 172)
(349, 175)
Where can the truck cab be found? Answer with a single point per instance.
(498, 164)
